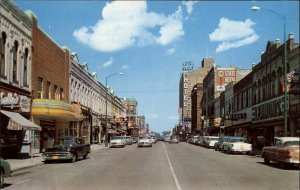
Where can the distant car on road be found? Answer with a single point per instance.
(174, 139)
(284, 151)
(128, 140)
(144, 142)
(5, 171)
(117, 141)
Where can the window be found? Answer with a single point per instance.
(61, 94)
(47, 94)
(25, 75)
(15, 62)
(40, 88)
(55, 92)
(3, 49)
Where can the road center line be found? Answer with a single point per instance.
(171, 168)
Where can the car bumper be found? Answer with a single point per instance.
(57, 156)
(144, 144)
(117, 145)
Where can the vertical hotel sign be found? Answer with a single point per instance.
(224, 76)
(186, 67)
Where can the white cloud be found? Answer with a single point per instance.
(233, 34)
(235, 44)
(189, 6)
(128, 23)
(108, 63)
(171, 51)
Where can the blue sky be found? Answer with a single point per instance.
(149, 41)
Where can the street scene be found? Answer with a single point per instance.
(164, 166)
(167, 95)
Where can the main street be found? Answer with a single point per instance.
(164, 167)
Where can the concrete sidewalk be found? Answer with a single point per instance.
(19, 164)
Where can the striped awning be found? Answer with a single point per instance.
(18, 122)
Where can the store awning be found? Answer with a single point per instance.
(18, 122)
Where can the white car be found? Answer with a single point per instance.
(210, 141)
(237, 144)
(144, 142)
(117, 141)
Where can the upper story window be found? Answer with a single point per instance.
(61, 94)
(47, 93)
(15, 62)
(40, 88)
(25, 72)
(55, 92)
(3, 50)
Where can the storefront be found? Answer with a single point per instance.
(17, 133)
(55, 119)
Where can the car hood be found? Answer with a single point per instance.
(56, 149)
(144, 140)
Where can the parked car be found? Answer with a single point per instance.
(210, 141)
(153, 139)
(219, 145)
(284, 151)
(128, 140)
(135, 139)
(201, 140)
(67, 148)
(174, 139)
(5, 171)
(167, 138)
(194, 139)
(144, 142)
(117, 141)
(237, 145)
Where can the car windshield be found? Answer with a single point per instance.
(213, 139)
(63, 142)
(117, 137)
(292, 143)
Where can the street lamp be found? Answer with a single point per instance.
(106, 92)
(256, 8)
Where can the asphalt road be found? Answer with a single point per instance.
(163, 167)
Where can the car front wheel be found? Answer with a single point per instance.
(266, 160)
(74, 158)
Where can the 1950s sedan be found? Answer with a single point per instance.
(284, 151)
(67, 148)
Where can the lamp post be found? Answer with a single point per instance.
(256, 8)
(106, 93)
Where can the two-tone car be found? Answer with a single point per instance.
(237, 145)
(67, 148)
(209, 141)
(286, 151)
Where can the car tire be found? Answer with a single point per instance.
(266, 160)
(74, 158)
(85, 156)
(1, 178)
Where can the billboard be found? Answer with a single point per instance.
(223, 77)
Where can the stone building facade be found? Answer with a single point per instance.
(15, 82)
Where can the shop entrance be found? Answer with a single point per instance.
(47, 133)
